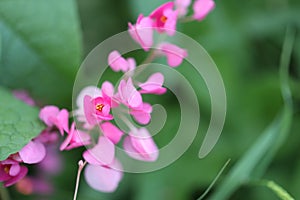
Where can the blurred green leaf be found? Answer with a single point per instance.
(254, 162)
(41, 47)
(19, 123)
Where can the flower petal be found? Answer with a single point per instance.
(89, 111)
(68, 139)
(153, 85)
(33, 152)
(101, 178)
(111, 132)
(107, 89)
(92, 91)
(117, 62)
(144, 144)
(182, 6)
(202, 8)
(141, 147)
(174, 54)
(142, 32)
(101, 154)
(134, 98)
(62, 121)
(14, 170)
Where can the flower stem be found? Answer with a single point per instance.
(187, 19)
(214, 181)
(81, 165)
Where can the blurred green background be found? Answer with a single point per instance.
(43, 43)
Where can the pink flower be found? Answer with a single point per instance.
(102, 153)
(24, 96)
(104, 178)
(11, 172)
(75, 138)
(97, 109)
(174, 54)
(153, 85)
(110, 131)
(182, 6)
(141, 146)
(142, 114)
(118, 63)
(165, 18)
(142, 32)
(202, 8)
(92, 91)
(52, 116)
(128, 94)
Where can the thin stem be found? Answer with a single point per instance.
(186, 19)
(81, 165)
(150, 57)
(214, 181)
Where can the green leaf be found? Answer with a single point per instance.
(19, 123)
(41, 47)
(255, 161)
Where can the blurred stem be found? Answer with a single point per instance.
(186, 19)
(4, 193)
(149, 58)
(284, 64)
(277, 189)
(81, 165)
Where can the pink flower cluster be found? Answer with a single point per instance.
(164, 20)
(103, 171)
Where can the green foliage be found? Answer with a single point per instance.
(41, 47)
(253, 164)
(19, 123)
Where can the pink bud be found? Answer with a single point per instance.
(202, 8)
